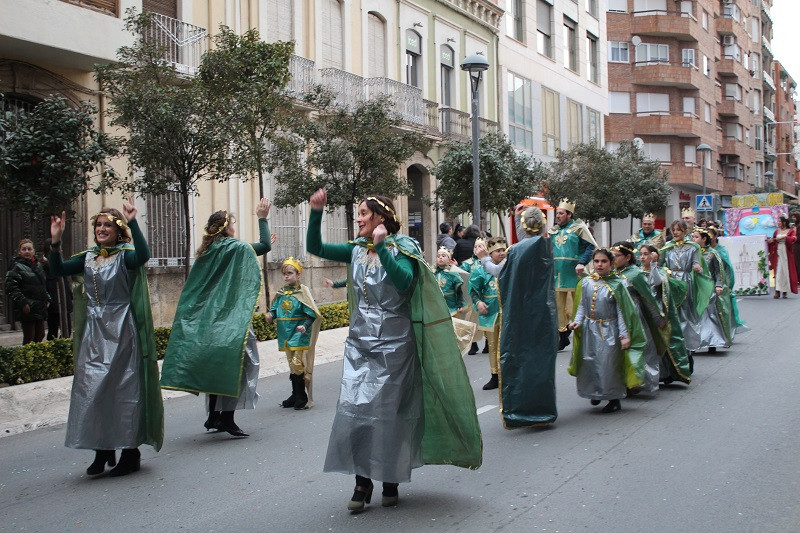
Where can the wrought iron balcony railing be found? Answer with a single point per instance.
(304, 75)
(184, 43)
(407, 99)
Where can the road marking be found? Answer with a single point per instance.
(486, 408)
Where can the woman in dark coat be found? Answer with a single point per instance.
(465, 244)
(26, 285)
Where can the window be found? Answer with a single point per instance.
(755, 62)
(165, 228)
(757, 102)
(688, 107)
(747, 137)
(574, 123)
(649, 7)
(413, 58)
(551, 122)
(520, 114)
(734, 172)
(544, 28)
(591, 7)
(733, 131)
(731, 11)
(593, 58)
(593, 127)
(279, 10)
(733, 92)
(447, 62)
(704, 19)
(759, 139)
(689, 155)
(686, 9)
(657, 151)
(759, 173)
(755, 28)
(619, 102)
(618, 6)
(513, 18)
(707, 112)
(376, 35)
(652, 104)
(618, 52)
(687, 57)
(332, 40)
(570, 45)
(652, 54)
(706, 66)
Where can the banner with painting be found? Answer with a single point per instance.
(749, 257)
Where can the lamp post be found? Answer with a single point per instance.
(704, 149)
(475, 64)
(769, 174)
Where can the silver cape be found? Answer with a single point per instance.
(680, 259)
(379, 423)
(106, 409)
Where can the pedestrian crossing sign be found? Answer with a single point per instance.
(704, 202)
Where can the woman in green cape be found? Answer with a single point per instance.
(116, 401)
(715, 322)
(405, 398)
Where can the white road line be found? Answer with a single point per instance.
(486, 408)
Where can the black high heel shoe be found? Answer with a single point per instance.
(612, 406)
(594, 402)
(226, 423)
(129, 461)
(101, 458)
(361, 496)
(390, 494)
(213, 421)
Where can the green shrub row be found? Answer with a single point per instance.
(53, 359)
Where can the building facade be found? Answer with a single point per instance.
(782, 132)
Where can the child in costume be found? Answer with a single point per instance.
(715, 322)
(607, 355)
(297, 321)
(483, 290)
(449, 281)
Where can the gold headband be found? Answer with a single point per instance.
(496, 244)
(444, 249)
(383, 205)
(622, 247)
(225, 225)
(702, 231)
(118, 221)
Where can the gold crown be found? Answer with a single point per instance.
(567, 204)
(292, 262)
(650, 217)
(444, 249)
(114, 220)
(496, 243)
(688, 212)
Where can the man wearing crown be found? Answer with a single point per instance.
(648, 234)
(688, 215)
(573, 245)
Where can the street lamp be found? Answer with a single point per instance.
(475, 64)
(704, 149)
(769, 174)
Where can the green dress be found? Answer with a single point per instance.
(572, 245)
(290, 312)
(451, 284)
(483, 287)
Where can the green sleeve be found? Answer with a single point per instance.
(311, 316)
(263, 245)
(475, 288)
(274, 308)
(340, 284)
(314, 245)
(141, 253)
(459, 294)
(400, 268)
(70, 267)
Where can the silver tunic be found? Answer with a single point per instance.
(601, 375)
(651, 356)
(680, 259)
(248, 397)
(106, 408)
(711, 333)
(379, 423)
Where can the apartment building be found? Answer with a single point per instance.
(685, 73)
(410, 50)
(782, 132)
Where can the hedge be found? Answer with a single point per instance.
(53, 359)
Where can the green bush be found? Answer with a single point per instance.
(53, 359)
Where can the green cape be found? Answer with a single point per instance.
(633, 357)
(528, 369)
(452, 433)
(673, 291)
(143, 316)
(638, 281)
(702, 286)
(731, 278)
(724, 298)
(206, 346)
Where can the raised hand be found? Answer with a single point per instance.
(480, 250)
(318, 200)
(57, 225)
(379, 233)
(327, 283)
(262, 209)
(129, 210)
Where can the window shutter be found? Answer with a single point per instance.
(331, 26)
(109, 7)
(163, 7)
(280, 19)
(377, 47)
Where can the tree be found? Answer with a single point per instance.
(506, 176)
(351, 154)
(647, 184)
(175, 132)
(48, 157)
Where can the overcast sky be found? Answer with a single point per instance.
(786, 35)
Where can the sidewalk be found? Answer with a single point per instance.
(46, 403)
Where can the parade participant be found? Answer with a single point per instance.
(297, 321)
(527, 294)
(60, 299)
(781, 258)
(212, 347)
(715, 322)
(737, 324)
(648, 234)
(445, 238)
(449, 281)
(115, 401)
(463, 252)
(669, 293)
(607, 357)
(483, 291)
(467, 266)
(685, 262)
(396, 410)
(654, 322)
(688, 216)
(572, 250)
(26, 287)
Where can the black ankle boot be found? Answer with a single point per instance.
(563, 339)
(101, 458)
(473, 349)
(361, 495)
(612, 406)
(492, 383)
(129, 461)
(486, 347)
(289, 402)
(299, 392)
(226, 423)
(390, 494)
(213, 416)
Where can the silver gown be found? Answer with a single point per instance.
(711, 333)
(601, 375)
(248, 397)
(680, 259)
(106, 408)
(652, 359)
(379, 423)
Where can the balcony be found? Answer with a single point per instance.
(732, 107)
(664, 124)
(184, 44)
(431, 116)
(687, 174)
(348, 89)
(765, 10)
(770, 153)
(486, 126)
(456, 124)
(407, 99)
(304, 75)
(768, 81)
(735, 147)
(731, 66)
(766, 46)
(769, 116)
(666, 74)
(728, 26)
(672, 24)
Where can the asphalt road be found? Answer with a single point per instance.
(718, 455)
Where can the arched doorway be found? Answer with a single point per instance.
(416, 226)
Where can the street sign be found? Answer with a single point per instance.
(704, 202)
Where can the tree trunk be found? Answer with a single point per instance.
(503, 226)
(349, 217)
(631, 224)
(264, 261)
(188, 233)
